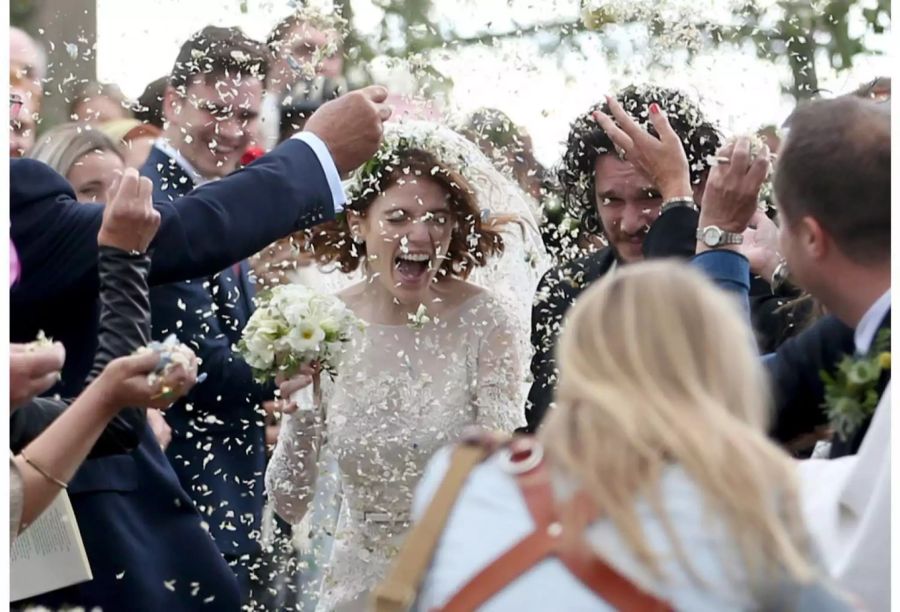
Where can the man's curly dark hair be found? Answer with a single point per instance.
(587, 141)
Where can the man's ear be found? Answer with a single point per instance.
(814, 239)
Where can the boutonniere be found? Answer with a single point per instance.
(851, 393)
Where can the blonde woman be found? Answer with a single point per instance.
(84, 155)
(652, 484)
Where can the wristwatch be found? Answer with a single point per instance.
(713, 236)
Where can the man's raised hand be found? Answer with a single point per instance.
(352, 126)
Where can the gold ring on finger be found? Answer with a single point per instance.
(165, 393)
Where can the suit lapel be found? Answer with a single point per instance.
(230, 289)
(840, 447)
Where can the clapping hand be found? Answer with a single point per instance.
(33, 370)
(129, 220)
(662, 159)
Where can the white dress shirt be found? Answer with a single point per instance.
(868, 325)
(166, 147)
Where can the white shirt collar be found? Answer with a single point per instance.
(166, 147)
(868, 325)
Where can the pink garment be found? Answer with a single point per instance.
(13, 264)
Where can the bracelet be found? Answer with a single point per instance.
(41, 471)
(678, 203)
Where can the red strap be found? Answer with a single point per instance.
(545, 540)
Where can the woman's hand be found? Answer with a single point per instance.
(129, 220)
(33, 370)
(289, 386)
(126, 381)
(731, 196)
(662, 159)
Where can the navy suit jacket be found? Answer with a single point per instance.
(218, 442)
(212, 228)
(143, 536)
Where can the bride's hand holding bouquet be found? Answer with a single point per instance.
(295, 334)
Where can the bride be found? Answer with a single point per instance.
(439, 352)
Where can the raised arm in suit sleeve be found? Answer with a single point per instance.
(209, 229)
(729, 271)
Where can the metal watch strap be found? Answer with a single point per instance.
(678, 203)
(725, 238)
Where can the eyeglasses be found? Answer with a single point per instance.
(15, 105)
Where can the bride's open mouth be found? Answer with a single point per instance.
(412, 268)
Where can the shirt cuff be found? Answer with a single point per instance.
(331, 172)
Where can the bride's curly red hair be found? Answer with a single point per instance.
(332, 242)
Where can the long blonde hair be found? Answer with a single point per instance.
(658, 368)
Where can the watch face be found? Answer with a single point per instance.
(711, 235)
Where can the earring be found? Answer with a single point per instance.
(357, 240)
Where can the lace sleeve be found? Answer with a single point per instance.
(292, 471)
(499, 387)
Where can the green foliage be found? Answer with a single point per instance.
(851, 393)
(21, 12)
(792, 31)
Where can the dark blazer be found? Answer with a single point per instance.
(795, 369)
(218, 434)
(134, 515)
(673, 234)
(560, 286)
(212, 228)
(556, 292)
(140, 529)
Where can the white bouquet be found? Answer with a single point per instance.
(295, 326)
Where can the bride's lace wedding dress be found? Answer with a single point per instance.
(402, 393)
